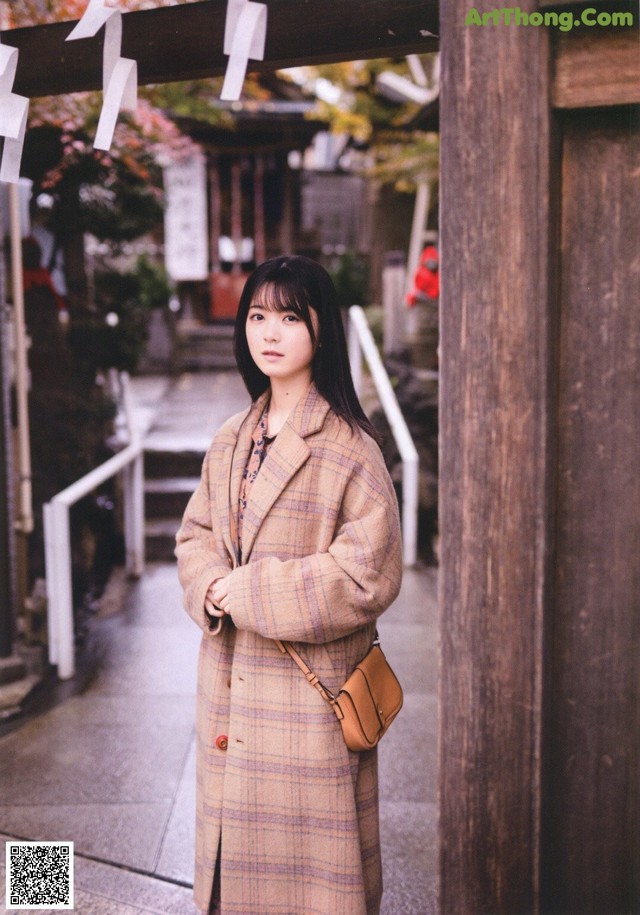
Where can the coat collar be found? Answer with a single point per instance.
(286, 456)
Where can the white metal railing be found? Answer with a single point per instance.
(361, 342)
(57, 537)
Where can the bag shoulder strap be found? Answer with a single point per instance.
(327, 695)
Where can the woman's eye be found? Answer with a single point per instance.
(291, 318)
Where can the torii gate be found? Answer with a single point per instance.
(185, 42)
(540, 399)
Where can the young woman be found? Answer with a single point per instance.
(292, 534)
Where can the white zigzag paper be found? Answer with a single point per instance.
(13, 116)
(244, 38)
(119, 74)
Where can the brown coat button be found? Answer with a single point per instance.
(222, 742)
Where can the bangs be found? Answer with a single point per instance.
(296, 284)
(283, 296)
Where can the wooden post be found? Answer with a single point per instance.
(236, 211)
(495, 459)
(258, 210)
(7, 543)
(540, 491)
(215, 212)
(286, 226)
(591, 849)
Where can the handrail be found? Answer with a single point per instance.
(57, 535)
(361, 342)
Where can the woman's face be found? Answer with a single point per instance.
(279, 341)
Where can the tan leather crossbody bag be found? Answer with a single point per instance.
(369, 699)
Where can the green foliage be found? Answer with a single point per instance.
(391, 151)
(69, 428)
(403, 159)
(154, 286)
(121, 211)
(105, 197)
(68, 433)
(350, 276)
(114, 334)
(191, 99)
(97, 345)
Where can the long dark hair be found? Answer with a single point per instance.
(296, 283)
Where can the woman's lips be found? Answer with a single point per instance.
(272, 354)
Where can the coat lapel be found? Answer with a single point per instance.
(286, 456)
(228, 523)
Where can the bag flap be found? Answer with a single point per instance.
(381, 682)
(362, 706)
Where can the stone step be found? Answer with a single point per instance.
(190, 361)
(168, 497)
(172, 464)
(205, 347)
(160, 539)
(221, 330)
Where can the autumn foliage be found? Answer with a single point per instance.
(142, 141)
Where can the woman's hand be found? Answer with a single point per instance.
(216, 600)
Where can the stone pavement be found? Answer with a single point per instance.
(108, 761)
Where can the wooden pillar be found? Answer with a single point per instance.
(236, 211)
(286, 226)
(215, 212)
(540, 489)
(591, 851)
(7, 542)
(258, 210)
(496, 476)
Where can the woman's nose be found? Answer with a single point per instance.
(271, 331)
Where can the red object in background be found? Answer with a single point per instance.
(34, 275)
(225, 292)
(426, 281)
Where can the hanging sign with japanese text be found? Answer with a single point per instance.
(185, 220)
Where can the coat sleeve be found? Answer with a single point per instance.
(328, 595)
(199, 548)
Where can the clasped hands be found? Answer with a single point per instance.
(216, 600)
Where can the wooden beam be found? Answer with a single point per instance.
(597, 69)
(185, 42)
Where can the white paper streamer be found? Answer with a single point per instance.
(119, 74)
(111, 48)
(245, 34)
(13, 116)
(93, 18)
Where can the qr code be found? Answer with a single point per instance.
(39, 875)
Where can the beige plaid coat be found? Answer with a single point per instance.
(296, 812)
